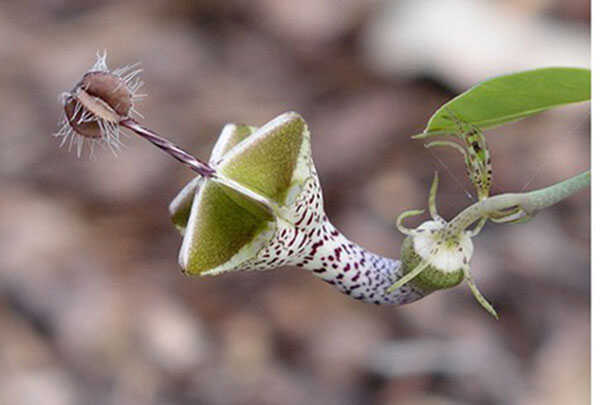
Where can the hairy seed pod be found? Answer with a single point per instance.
(109, 88)
(98, 97)
(98, 103)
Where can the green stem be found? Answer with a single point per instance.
(527, 203)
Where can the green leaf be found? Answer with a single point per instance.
(512, 97)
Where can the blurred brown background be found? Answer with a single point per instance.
(93, 308)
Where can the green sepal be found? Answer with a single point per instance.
(180, 207)
(220, 232)
(430, 279)
(230, 136)
(265, 161)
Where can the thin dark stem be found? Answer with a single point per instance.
(200, 167)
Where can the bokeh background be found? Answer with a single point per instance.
(93, 308)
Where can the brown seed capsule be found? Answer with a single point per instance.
(110, 88)
(97, 104)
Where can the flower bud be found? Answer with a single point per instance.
(447, 256)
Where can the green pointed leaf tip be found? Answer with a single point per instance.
(512, 97)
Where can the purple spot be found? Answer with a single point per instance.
(301, 218)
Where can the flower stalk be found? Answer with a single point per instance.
(518, 207)
(197, 165)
